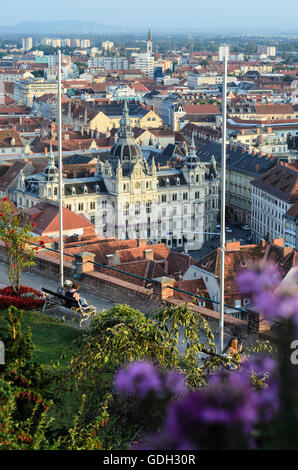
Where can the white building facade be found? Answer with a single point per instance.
(128, 198)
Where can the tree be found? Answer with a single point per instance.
(15, 231)
(123, 335)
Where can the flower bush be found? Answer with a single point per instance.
(255, 407)
(27, 298)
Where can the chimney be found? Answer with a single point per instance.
(258, 130)
(269, 130)
(263, 243)
(233, 246)
(66, 136)
(278, 242)
(110, 260)
(141, 242)
(242, 131)
(148, 254)
(46, 151)
(287, 250)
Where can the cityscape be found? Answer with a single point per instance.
(148, 231)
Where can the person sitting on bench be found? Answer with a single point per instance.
(73, 294)
(66, 286)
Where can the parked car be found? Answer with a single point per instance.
(245, 227)
(229, 230)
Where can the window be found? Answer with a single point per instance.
(185, 196)
(126, 209)
(164, 198)
(80, 206)
(92, 205)
(137, 208)
(148, 207)
(68, 206)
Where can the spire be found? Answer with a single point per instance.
(192, 159)
(51, 157)
(149, 34)
(125, 130)
(192, 147)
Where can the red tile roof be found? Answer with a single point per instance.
(271, 108)
(281, 181)
(46, 217)
(238, 257)
(201, 108)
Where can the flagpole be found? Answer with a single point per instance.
(223, 205)
(61, 280)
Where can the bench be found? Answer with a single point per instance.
(52, 298)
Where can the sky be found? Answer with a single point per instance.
(162, 15)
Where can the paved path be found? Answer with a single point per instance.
(36, 281)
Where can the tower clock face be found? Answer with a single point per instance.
(137, 185)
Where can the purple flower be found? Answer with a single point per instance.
(256, 280)
(143, 378)
(220, 416)
(139, 378)
(267, 303)
(175, 383)
(263, 369)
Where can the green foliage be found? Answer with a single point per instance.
(15, 231)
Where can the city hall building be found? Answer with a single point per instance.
(128, 197)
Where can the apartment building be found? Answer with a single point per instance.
(273, 195)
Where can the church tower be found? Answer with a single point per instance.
(149, 43)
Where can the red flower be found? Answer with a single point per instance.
(34, 224)
(5, 199)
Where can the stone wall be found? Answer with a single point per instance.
(144, 299)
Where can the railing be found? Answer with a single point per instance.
(149, 281)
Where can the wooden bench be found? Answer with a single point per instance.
(52, 298)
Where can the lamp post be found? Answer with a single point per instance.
(61, 274)
(223, 204)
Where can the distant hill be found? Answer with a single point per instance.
(61, 27)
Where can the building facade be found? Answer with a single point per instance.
(129, 198)
(273, 195)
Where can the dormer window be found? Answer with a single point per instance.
(85, 189)
(73, 190)
(97, 188)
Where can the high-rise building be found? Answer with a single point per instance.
(75, 43)
(66, 42)
(27, 44)
(85, 43)
(145, 63)
(107, 45)
(223, 51)
(109, 63)
(269, 51)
